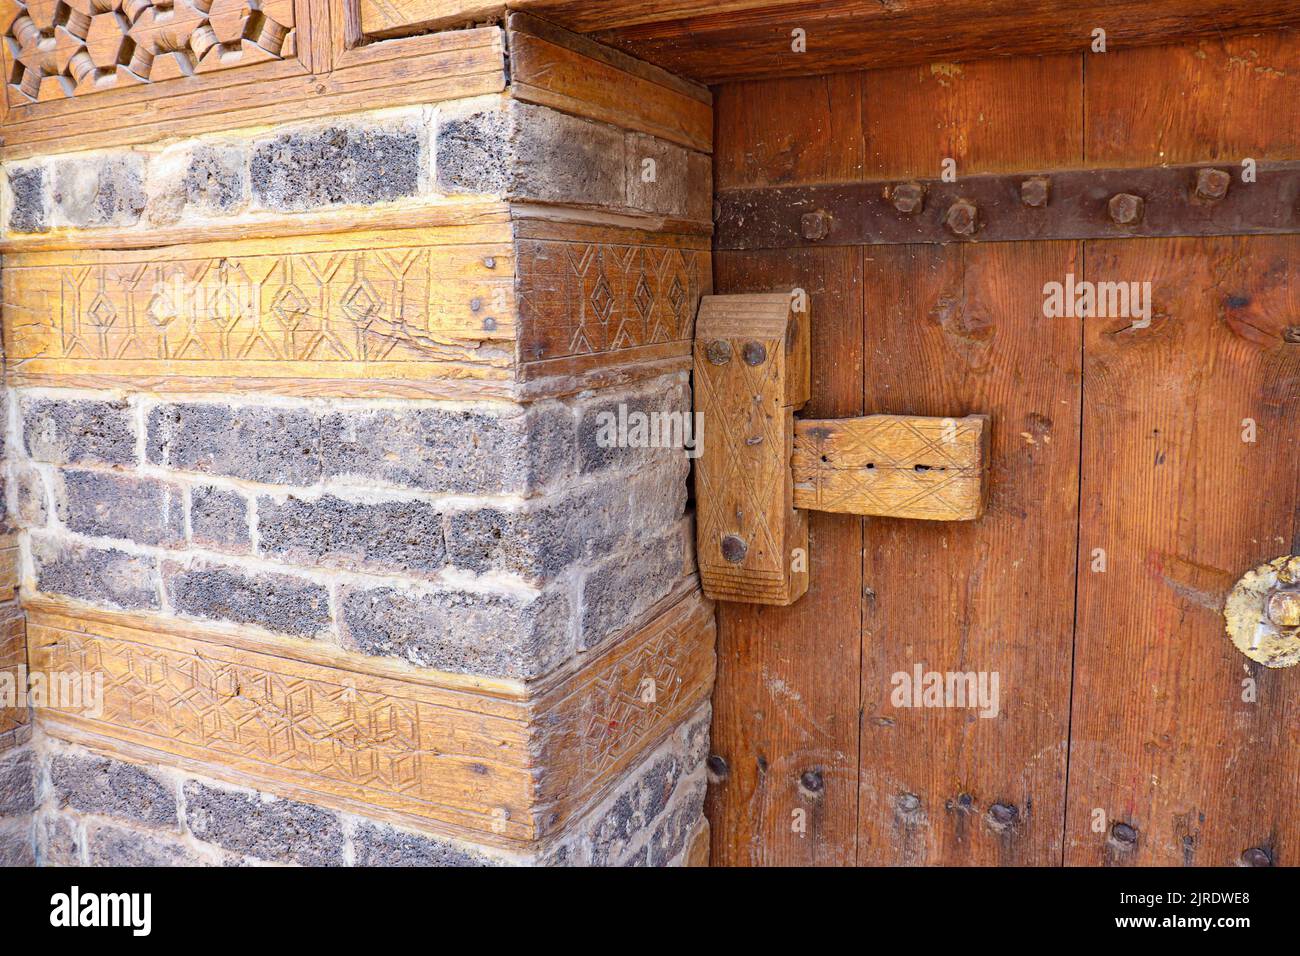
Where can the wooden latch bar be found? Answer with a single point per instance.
(761, 469)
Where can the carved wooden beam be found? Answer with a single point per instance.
(760, 469)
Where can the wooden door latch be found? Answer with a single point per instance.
(761, 469)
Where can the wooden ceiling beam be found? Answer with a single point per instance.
(747, 39)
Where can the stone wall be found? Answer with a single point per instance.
(304, 458)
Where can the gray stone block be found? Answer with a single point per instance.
(17, 783)
(17, 847)
(670, 835)
(143, 510)
(219, 519)
(216, 179)
(462, 632)
(270, 444)
(681, 186)
(101, 190)
(457, 451)
(636, 808)
(115, 846)
(30, 211)
(396, 536)
(58, 841)
(282, 831)
(380, 845)
(278, 602)
(523, 151)
(78, 431)
(621, 431)
(91, 783)
(616, 594)
(337, 165)
(97, 575)
(29, 494)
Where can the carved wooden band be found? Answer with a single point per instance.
(15, 721)
(463, 309)
(495, 761)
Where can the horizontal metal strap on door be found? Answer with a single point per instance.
(1191, 200)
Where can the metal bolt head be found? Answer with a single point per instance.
(734, 549)
(962, 218)
(719, 351)
(815, 225)
(1283, 608)
(1212, 184)
(1036, 191)
(908, 198)
(1126, 209)
(811, 780)
(1123, 834)
(1256, 856)
(755, 353)
(909, 802)
(717, 765)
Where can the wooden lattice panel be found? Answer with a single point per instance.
(56, 49)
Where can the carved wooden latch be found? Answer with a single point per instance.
(761, 469)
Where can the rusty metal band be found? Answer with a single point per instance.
(1191, 200)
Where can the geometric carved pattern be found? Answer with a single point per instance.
(504, 761)
(61, 48)
(388, 312)
(900, 466)
(618, 715)
(15, 722)
(580, 298)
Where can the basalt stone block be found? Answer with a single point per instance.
(115, 846)
(16, 844)
(219, 519)
(143, 510)
(336, 165)
(451, 450)
(58, 841)
(100, 191)
(523, 151)
(458, 631)
(78, 432)
(670, 835)
(278, 602)
(30, 211)
(665, 179)
(17, 784)
(635, 809)
(282, 831)
(29, 494)
(397, 536)
(91, 783)
(97, 575)
(535, 542)
(270, 444)
(216, 179)
(379, 845)
(618, 592)
(634, 430)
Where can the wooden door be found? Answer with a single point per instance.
(1124, 501)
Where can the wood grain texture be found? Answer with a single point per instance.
(1220, 99)
(1163, 741)
(893, 466)
(389, 18)
(15, 722)
(744, 39)
(553, 67)
(505, 763)
(954, 330)
(324, 77)
(751, 375)
(786, 706)
(396, 306)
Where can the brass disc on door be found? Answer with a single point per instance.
(1263, 613)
